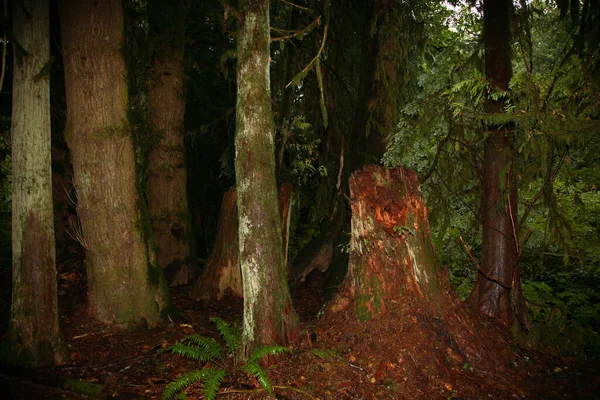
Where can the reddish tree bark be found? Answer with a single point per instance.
(391, 252)
(497, 293)
(222, 272)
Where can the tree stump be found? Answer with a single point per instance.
(222, 271)
(391, 252)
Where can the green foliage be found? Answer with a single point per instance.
(301, 150)
(254, 369)
(210, 377)
(196, 347)
(553, 103)
(231, 334)
(203, 349)
(324, 354)
(565, 317)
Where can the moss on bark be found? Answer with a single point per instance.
(124, 286)
(269, 317)
(33, 335)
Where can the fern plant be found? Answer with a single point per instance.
(203, 349)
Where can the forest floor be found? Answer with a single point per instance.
(404, 355)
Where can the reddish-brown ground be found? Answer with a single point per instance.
(406, 354)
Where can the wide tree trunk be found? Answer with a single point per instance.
(34, 331)
(391, 252)
(497, 291)
(167, 175)
(124, 284)
(269, 317)
(222, 273)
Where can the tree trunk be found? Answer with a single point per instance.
(222, 271)
(347, 74)
(167, 175)
(362, 86)
(124, 284)
(498, 292)
(34, 331)
(391, 252)
(269, 317)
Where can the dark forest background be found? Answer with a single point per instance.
(418, 103)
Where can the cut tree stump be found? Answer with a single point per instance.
(391, 252)
(222, 273)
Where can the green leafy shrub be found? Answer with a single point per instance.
(203, 349)
(564, 317)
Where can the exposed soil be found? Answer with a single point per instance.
(406, 354)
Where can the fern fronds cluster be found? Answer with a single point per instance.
(232, 335)
(203, 349)
(211, 378)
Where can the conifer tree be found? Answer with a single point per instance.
(34, 334)
(167, 175)
(124, 284)
(497, 291)
(269, 317)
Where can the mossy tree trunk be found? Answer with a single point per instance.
(222, 271)
(269, 317)
(34, 335)
(391, 252)
(167, 175)
(497, 293)
(124, 284)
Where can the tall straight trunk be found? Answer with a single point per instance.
(167, 176)
(269, 317)
(124, 284)
(34, 331)
(498, 292)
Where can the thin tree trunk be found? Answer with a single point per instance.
(391, 252)
(498, 292)
(34, 331)
(167, 175)
(269, 317)
(124, 284)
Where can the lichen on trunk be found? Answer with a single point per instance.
(269, 317)
(124, 285)
(33, 335)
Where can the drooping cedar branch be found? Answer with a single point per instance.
(535, 198)
(294, 34)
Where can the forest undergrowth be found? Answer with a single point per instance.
(405, 354)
